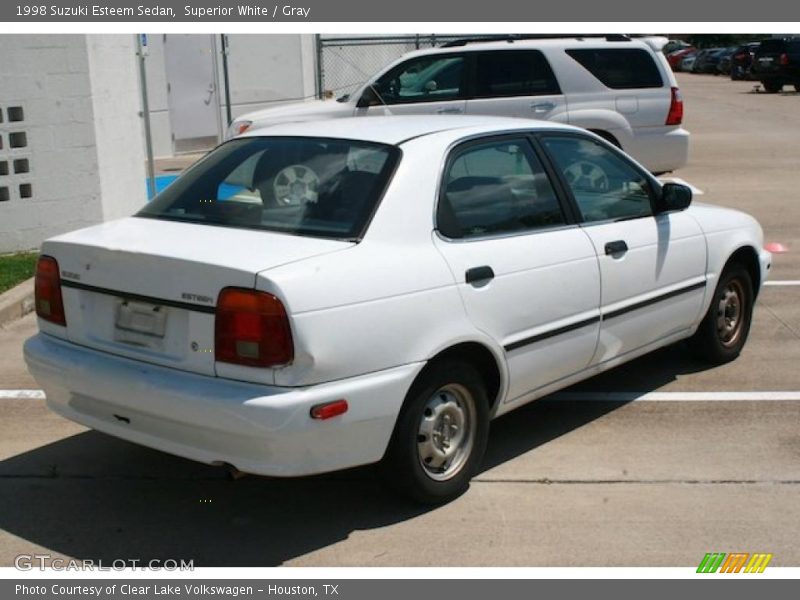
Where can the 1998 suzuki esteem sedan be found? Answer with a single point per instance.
(315, 296)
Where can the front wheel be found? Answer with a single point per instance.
(724, 330)
(441, 434)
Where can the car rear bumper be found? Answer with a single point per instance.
(258, 429)
(660, 149)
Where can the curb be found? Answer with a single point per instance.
(16, 302)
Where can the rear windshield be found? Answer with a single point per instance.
(620, 69)
(776, 46)
(304, 186)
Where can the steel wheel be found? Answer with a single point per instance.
(441, 433)
(446, 432)
(587, 176)
(729, 313)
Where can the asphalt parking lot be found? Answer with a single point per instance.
(708, 460)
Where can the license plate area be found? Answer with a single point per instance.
(140, 324)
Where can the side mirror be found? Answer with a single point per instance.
(368, 98)
(674, 196)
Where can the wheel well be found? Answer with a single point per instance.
(482, 359)
(748, 258)
(607, 137)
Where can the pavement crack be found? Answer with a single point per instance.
(781, 321)
(548, 481)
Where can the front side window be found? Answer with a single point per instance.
(425, 79)
(496, 188)
(514, 73)
(303, 186)
(620, 68)
(605, 186)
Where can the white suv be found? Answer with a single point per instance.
(620, 88)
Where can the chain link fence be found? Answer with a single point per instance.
(347, 62)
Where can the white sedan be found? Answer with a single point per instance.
(315, 296)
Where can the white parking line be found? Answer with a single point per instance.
(783, 282)
(21, 394)
(678, 396)
(787, 396)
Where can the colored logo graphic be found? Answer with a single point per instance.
(738, 562)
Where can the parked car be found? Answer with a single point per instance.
(707, 60)
(777, 63)
(741, 59)
(673, 45)
(674, 58)
(724, 62)
(687, 63)
(314, 297)
(619, 88)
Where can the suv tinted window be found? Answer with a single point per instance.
(604, 185)
(305, 186)
(620, 69)
(514, 73)
(778, 46)
(424, 79)
(496, 187)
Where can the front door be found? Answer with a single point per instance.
(426, 85)
(528, 277)
(652, 267)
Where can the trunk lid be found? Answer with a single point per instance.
(146, 288)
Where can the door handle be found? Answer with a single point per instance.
(484, 273)
(616, 248)
(449, 111)
(542, 107)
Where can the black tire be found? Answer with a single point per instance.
(402, 466)
(736, 74)
(716, 340)
(772, 87)
(797, 87)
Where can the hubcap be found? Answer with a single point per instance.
(729, 313)
(446, 432)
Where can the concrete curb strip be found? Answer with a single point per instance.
(16, 302)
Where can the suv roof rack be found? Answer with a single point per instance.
(511, 38)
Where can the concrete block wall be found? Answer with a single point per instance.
(70, 116)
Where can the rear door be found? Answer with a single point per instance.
(424, 85)
(515, 83)
(528, 276)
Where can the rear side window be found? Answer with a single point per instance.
(496, 187)
(620, 69)
(301, 186)
(514, 73)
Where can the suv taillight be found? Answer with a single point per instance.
(47, 291)
(252, 329)
(784, 59)
(675, 114)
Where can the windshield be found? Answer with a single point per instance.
(303, 186)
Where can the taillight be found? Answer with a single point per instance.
(252, 329)
(675, 114)
(784, 59)
(47, 291)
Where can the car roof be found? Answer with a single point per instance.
(522, 44)
(395, 130)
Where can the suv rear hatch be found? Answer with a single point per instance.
(146, 288)
(776, 57)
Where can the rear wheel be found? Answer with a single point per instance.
(724, 330)
(797, 87)
(772, 87)
(441, 434)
